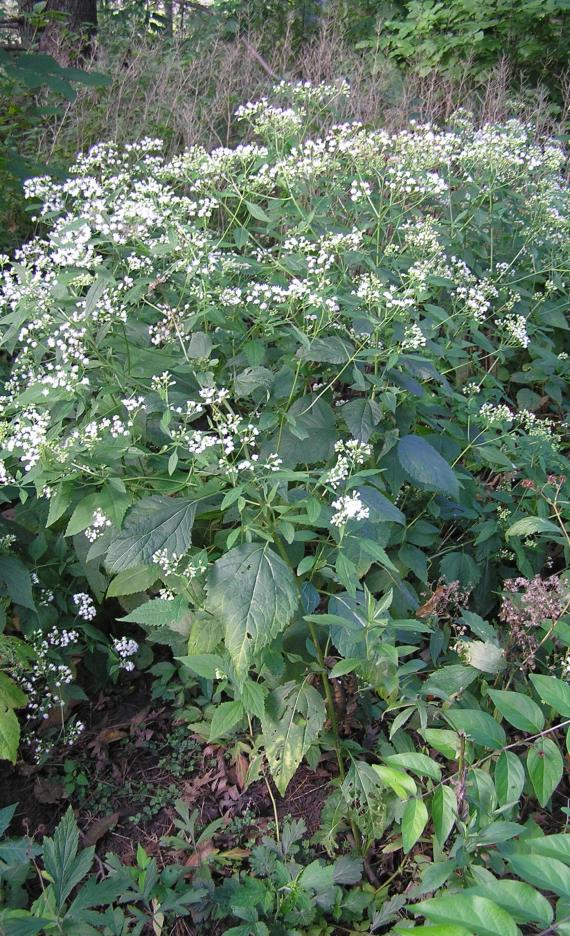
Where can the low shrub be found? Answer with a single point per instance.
(299, 406)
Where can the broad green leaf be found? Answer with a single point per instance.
(425, 466)
(205, 665)
(9, 734)
(460, 567)
(331, 350)
(478, 726)
(509, 778)
(159, 612)
(529, 525)
(418, 763)
(519, 899)
(253, 698)
(154, 523)
(554, 692)
(344, 666)
(294, 716)
(313, 420)
(479, 914)
(226, 717)
(11, 696)
(485, 656)
(443, 812)
(380, 509)
(397, 780)
(545, 767)
(520, 711)
(548, 874)
(361, 416)
(552, 846)
(62, 862)
(443, 740)
(17, 580)
(441, 929)
(22, 923)
(253, 592)
(499, 831)
(414, 821)
(133, 580)
(449, 680)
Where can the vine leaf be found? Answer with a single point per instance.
(294, 715)
(253, 592)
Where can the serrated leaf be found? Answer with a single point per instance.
(425, 465)
(205, 665)
(545, 767)
(361, 416)
(310, 419)
(294, 716)
(253, 592)
(64, 865)
(460, 567)
(365, 795)
(520, 711)
(529, 525)
(479, 914)
(154, 523)
(332, 350)
(485, 656)
(414, 821)
(253, 698)
(225, 718)
(554, 692)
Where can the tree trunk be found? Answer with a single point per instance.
(68, 35)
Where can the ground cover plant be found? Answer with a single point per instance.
(283, 429)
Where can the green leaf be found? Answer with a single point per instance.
(460, 567)
(253, 592)
(345, 666)
(425, 466)
(133, 580)
(21, 923)
(480, 727)
(9, 734)
(17, 580)
(509, 778)
(11, 696)
(380, 509)
(361, 416)
(443, 813)
(479, 914)
(485, 656)
(520, 711)
(521, 900)
(205, 665)
(554, 692)
(414, 821)
(418, 763)
(548, 874)
(332, 350)
(552, 846)
(443, 740)
(159, 612)
(294, 716)
(432, 930)
(365, 796)
(154, 523)
(253, 698)
(257, 212)
(65, 867)
(226, 717)
(397, 780)
(449, 680)
(308, 419)
(545, 767)
(529, 525)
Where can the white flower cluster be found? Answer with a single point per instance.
(125, 649)
(306, 91)
(350, 454)
(349, 507)
(359, 190)
(495, 414)
(514, 327)
(99, 523)
(85, 606)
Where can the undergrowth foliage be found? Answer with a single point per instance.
(298, 406)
